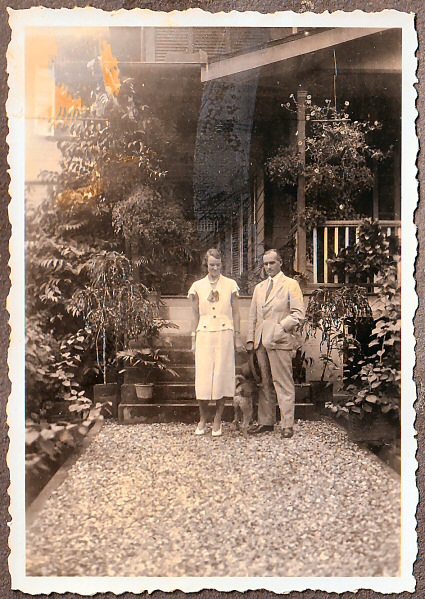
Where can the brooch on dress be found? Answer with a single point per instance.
(213, 296)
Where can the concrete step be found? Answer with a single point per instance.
(188, 412)
(162, 393)
(185, 372)
(174, 341)
(180, 356)
(167, 341)
(168, 392)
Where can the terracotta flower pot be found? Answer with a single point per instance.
(144, 392)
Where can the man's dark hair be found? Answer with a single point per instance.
(273, 250)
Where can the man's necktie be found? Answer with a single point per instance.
(269, 288)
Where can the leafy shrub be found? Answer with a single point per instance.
(161, 238)
(47, 445)
(338, 162)
(377, 386)
(335, 313)
(148, 359)
(54, 371)
(116, 308)
(374, 252)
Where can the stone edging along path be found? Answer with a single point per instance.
(60, 474)
(384, 453)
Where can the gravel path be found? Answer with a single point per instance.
(155, 500)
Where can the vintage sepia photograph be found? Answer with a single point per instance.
(212, 281)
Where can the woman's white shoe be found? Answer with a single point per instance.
(200, 431)
(217, 433)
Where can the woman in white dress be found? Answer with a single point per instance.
(215, 335)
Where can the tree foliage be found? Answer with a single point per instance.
(92, 216)
(162, 240)
(338, 162)
(116, 308)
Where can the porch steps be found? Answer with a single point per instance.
(185, 372)
(187, 412)
(174, 397)
(167, 393)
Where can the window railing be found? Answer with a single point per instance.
(334, 235)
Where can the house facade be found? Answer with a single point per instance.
(223, 93)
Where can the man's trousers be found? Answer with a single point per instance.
(277, 381)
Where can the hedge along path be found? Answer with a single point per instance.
(156, 500)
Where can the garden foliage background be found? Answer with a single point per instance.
(110, 234)
(5, 232)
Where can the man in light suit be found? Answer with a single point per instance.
(277, 310)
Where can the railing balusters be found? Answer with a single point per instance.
(346, 244)
(389, 227)
(336, 249)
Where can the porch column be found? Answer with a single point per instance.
(375, 210)
(259, 216)
(301, 249)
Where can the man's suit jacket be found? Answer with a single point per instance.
(275, 322)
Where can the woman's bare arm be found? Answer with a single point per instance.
(195, 318)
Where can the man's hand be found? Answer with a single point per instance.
(249, 346)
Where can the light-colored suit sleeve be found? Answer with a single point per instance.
(296, 315)
(252, 317)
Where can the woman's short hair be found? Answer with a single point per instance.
(214, 253)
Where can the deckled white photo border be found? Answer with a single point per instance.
(38, 16)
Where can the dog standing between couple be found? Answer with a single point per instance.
(276, 312)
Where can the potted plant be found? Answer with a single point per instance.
(374, 405)
(116, 310)
(147, 360)
(334, 313)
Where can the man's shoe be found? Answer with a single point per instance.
(261, 428)
(287, 433)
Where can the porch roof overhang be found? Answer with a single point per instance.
(284, 50)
